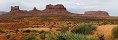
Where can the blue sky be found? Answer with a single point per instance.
(75, 6)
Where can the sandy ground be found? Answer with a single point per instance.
(106, 30)
(6, 23)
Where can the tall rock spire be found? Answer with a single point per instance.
(34, 9)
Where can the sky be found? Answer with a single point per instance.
(75, 6)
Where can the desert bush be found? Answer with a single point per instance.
(50, 37)
(32, 37)
(8, 36)
(34, 31)
(64, 29)
(1, 32)
(16, 31)
(71, 36)
(83, 29)
(42, 34)
(42, 31)
(26, 31)
(106, 22)
(115, 32)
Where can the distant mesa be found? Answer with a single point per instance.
(56, 9)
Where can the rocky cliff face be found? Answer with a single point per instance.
(15, 9)
(97, 13)
(59, 8)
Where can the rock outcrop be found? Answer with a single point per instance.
(35, 10)
(56, 9)
(15, 9)
(59, 8)
(97, 13)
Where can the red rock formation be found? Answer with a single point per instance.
(59, 8)
(15, 9)
(35, 10)
(97, 13)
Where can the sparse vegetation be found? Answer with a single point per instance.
(32, 37)
(26, 31)
(1, 32)
(71, 36)
(42, 34)
(115, 32)
(83, 29)
(64, 29)
(8, 36)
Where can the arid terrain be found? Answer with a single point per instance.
(54, 22)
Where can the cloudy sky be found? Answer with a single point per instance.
(75, 6)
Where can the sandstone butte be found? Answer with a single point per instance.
(55, 9)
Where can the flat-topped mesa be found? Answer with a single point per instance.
(59, 8)
(96, 13)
